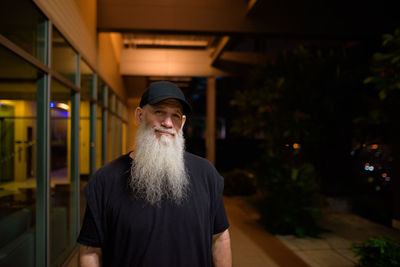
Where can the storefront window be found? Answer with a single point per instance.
(99, 152)
(110, 137)
(19, 83)
(23, 24)
(64, 57)
(117, 147)
(86, 78)
(100, 90)
(60, 181)
(84, 139)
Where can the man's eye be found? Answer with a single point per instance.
(158, 112)
(177, 116)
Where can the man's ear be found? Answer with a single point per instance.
(139, 115)
(183, 121)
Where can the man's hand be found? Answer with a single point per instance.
(89, 256)
(221, 250)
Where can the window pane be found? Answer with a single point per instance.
(100, 89)
(117, 106)
(19, 83)
(117, 147)
(110, 137)
(99, 136)
(84, 144)
(124, 150)
(84, 134)
(111, 101)
(86, 78)
(23, 24)
(60, 181)
(124, 113)
(64, 57)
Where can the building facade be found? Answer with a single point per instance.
(62, 116)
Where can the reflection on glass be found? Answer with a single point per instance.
(100, 89)
(111, 101)
(84, 144)
(64, 57)
(84, 139)
(23, 24)
(124, 112)
(60, 181)
(124, 151)
(17, 159)
(117, 147)
(110, 137)
(86, 78)
(99, 151)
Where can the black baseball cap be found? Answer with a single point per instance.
(159, 91)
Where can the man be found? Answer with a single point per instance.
(158, 205)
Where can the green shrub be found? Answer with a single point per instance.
(290, 198)
(378, 252)
(239, 182)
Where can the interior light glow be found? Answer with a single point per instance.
(51, 104)
(63, 106)
(369, 168)
(387, 179)
(296, 146)
(384, 175)
(374, 146)
(7, 102)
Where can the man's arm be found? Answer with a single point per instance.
(89, 256)
(221, 250)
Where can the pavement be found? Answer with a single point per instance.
(253, 246)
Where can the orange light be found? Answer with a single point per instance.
(374, 146)
(296, 146)
(364, 145)
(384, 175)
(286, 145)
(367, 164)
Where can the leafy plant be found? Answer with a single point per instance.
(386, 65)
(385, 80)
(378, 252)
(290, 198)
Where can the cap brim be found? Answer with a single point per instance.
(187, 109)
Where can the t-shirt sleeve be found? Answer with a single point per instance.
(89, 235)
(93, 228)
(221, 221)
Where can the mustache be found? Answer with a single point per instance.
(163, 129)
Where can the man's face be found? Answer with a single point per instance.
(165, 117)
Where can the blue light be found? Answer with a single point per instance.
(369, 168)
(387, 179)
(51, 104)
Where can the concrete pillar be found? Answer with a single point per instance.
(210, 119)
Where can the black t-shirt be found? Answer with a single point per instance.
(132, 232)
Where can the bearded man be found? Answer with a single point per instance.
(158, 205)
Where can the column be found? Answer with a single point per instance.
(210, 119)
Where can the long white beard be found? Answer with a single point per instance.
(158, 170)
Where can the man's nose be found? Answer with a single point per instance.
(167, 122)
